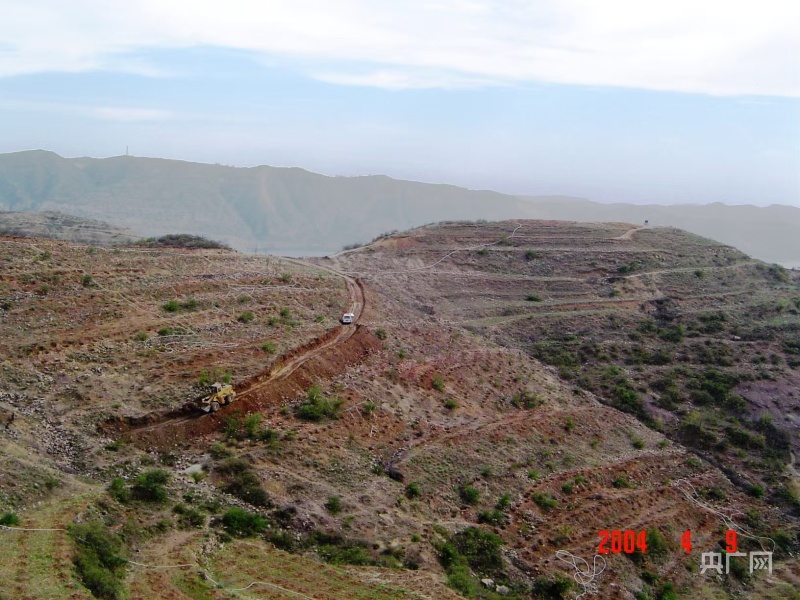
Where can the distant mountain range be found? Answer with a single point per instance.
(290, 210)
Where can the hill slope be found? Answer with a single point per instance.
(425, 447)
(292, 210)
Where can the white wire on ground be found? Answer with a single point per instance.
(691, 494)
(584, 576)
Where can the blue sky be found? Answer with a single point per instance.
(669, 103)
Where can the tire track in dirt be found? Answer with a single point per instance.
(321, 358)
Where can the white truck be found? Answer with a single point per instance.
(348, 318)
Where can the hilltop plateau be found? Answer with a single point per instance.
(509, 391)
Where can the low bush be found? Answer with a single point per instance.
(182, 240)
(318, 406)
(150, 486)
(468, 494)
(334, 505)
(243, 482)
(176, 306)
(412, 490)
(239, 522)
(119, 491)
(552, 589)
(246, 316)
(9, 519)
(99, 559)
(437, 383)
(545, 501)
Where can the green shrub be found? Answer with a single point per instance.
(621, 482)
(380, 334)
(246, 316)
(334, 505)
(189, 518)
(552, 589)
(531, 254)
(412, 490)
(269, 347)
(629, 268)
(318, 406)
(87, 281)
(569, 424)
(545, 501)
(437, 382)
(149, 486)
(119, 491)
(239, 522)
(173, 306)
(468, 494)
(181, 240)
(667, 591)
(9, 519)
(450, 404)
(99, 559)
(657, 546)
(209, 376)
(526, 399)
(243, 482)
(492, 517)
(481, 549)
(504, 502)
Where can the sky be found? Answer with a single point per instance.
(619, 100)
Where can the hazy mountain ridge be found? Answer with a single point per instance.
(289, 209)
(60, 226)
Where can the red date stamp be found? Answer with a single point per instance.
(616, 541)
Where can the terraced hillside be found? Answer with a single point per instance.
(412, 456)
(694, 339)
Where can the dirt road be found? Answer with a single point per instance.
(187, 421)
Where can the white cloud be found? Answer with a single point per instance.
(711, 47)
(106, 113)
(112, 113)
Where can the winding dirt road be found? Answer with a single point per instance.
(158, 425)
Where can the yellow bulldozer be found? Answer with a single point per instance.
(220, 394)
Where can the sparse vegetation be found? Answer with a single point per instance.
(318, 406)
